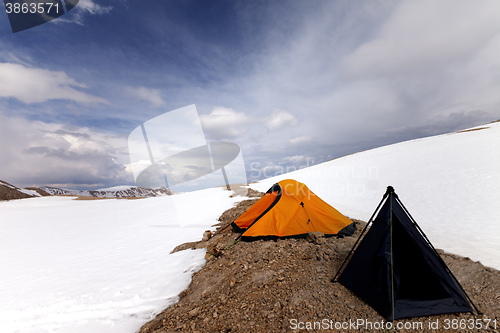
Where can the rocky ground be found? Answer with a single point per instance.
(11, 192)
(276, 286)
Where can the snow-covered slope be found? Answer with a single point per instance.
(9, 191)
(450, 184)
(101, 265)
(115, 192)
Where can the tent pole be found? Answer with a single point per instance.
(391, 195)
(360, 235)
(437, 254)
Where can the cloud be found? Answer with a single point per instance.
(152, 96)
(84, 7)
(91, 7)
(225, 123)
(35, 85)
(40, 153)
(300, 139)
(425, 33)
(439, 124)
(279, 119)
(394, 77)
(295, 159)
(21, 59)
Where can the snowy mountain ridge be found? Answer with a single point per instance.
(130, 192)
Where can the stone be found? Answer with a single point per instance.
(206, 235)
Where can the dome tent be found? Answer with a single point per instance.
(290, 209)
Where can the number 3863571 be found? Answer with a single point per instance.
(32, 8)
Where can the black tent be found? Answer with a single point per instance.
(396, 269)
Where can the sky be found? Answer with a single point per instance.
(293, 83)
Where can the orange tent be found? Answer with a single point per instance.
(290, 209)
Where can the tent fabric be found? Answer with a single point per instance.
(260, 207)
(290, 209)
(397, 272)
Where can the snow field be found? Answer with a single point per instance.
(100, 265)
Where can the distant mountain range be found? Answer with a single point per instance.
(130, 192)
(11, 192)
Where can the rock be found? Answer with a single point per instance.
(206, 235)
(300, 296)
(184, 246)
(215, 250)
(320, 241)
(304, 318)
(194, 312)
(316, 237)
(318, 234)
(311, 237)
(263, 277)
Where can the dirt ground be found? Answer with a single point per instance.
(285, 286)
